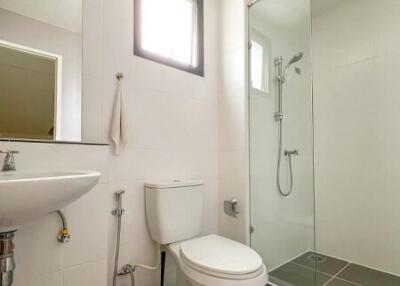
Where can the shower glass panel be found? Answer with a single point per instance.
(281, 141)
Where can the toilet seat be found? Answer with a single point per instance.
(221, 257)
(214, 260)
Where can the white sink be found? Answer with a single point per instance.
(28, 196)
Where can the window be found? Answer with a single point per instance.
(170, 32)
(260, 59)
(257, 66)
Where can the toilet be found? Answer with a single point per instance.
(174, 212)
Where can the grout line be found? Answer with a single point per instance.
(336, 275)
(290, 260)
(308, 268)
(351, 282)
(341, 270)
(86, 263)
(330, 280)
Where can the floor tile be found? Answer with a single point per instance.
(339, 282)
(327, 264)
(292, 274)
(368, 277)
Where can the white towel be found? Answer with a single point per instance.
(119, 128)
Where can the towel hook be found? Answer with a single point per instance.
(120, 75)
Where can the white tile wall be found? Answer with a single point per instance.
(232, 105)
(173, 126)
(94, 273)
(356, 91)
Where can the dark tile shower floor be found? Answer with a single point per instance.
(330, 272)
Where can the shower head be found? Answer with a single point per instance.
(297, 57)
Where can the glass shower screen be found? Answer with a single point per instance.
(281, 140)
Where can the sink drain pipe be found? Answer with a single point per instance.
(7, 262)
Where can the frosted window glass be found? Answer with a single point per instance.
(257, 65)
(169, 29)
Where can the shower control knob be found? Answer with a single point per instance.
(292, 152)
(278, 116)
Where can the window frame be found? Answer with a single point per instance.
(139, 51)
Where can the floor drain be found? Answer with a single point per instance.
(317, 258)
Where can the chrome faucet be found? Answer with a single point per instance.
(9, 161)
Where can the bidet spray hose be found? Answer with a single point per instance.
(128, 269)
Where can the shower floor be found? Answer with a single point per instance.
(330, 272)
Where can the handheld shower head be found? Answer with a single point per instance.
(297, 57)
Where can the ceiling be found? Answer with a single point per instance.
(291, 12)
(282, 12)
(320, 6)
(66, 14)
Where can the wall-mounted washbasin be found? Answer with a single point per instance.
(28, 196)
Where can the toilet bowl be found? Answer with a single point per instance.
(217, 261)
(174, 212)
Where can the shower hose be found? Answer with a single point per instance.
(284, 193)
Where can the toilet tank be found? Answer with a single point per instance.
(174, 210)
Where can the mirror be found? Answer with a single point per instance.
(41, 70)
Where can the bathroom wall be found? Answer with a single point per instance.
(172, 123)
(283, 226)
(232, 119)
(356, 92)
(173, 133)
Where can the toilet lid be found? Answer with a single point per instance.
(220, 255)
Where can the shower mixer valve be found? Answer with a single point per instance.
(292, 152)
(278, 116)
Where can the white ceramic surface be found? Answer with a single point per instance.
(27, 196)
(189, 276)
(220, 255)
(174, 210)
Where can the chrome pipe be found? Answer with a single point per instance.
(7, 262)
(292, 152)
(63, 235)
(118, 212)
(280, 76)
(252, 3)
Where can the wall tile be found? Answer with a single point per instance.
(94, 273)
(87, 220)
(38, 252)
(356, 112)
(93, 38)
(52, 279)
(92, 119)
